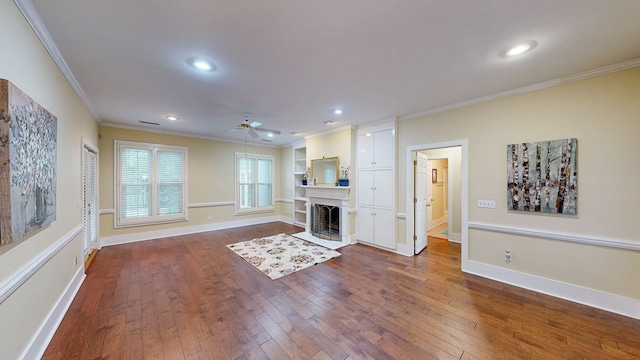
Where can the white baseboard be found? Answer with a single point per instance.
(286, 219)
(45, 333)
(437, 222)
(597, 299)
(455, 237)
(404, 249)
(150, 235)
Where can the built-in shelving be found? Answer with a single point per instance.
(299, 198)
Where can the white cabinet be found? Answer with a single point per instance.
(374, 226)
(375, 187)
(299, 199)
(376, 149)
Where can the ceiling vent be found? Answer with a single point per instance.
(149, 123)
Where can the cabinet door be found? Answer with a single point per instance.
(365, 187)
(383, 188)
(365, 151)
(364, 225)
(383, 228)
(383, 151)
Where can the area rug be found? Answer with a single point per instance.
(282, 254)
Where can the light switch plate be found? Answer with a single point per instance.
(490, 204)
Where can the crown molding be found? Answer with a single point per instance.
(529, 88)
(33, 19)
(187, 135)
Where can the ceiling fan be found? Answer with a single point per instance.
(252, 127)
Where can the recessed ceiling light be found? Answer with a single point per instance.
(270, 135)
(172, 118)
(201, 64)
(518, 49)
(337, 111)
(294, 133)
(328, 122)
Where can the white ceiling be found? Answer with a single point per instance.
(291, 63)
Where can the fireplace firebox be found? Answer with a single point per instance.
(325, 222)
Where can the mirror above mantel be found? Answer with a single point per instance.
(325, 171)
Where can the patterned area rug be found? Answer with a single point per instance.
(281, 254)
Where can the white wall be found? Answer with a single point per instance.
(37, 271)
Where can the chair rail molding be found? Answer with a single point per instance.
(574, 238)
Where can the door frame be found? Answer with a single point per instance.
(464, 206)
(89, 146)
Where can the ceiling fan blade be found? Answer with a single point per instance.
(253, 134)
(277, 132)
(255, 124)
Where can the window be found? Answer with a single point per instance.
(254, 183)
(150, 183)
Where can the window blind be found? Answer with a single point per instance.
(152, 182)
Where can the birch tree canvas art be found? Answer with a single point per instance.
(28, 135)
(542, 176)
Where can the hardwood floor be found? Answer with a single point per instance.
(189, 297)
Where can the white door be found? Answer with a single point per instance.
(382, 183)
(364, 224)
(90, 201)
(429, 195)
(383, 229)
(421, 202)
(365, 187)
(383, 150)
(365, 151)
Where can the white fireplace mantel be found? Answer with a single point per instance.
(332, 196)
(328, 192)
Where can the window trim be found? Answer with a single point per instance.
(255, 209)
(154, 219)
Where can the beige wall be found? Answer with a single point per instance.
(210, 175)
(602, 113)
(439, 189)
(27, 64)
(339, 143)
(285, 207)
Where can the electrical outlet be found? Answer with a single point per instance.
(209, 217)
(489, 204)
(75, 261)
(507, 256)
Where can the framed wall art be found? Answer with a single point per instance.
(542, 176)
(28, 135)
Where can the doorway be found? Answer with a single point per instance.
(89, 203)
(456, 174)
(438, 223)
